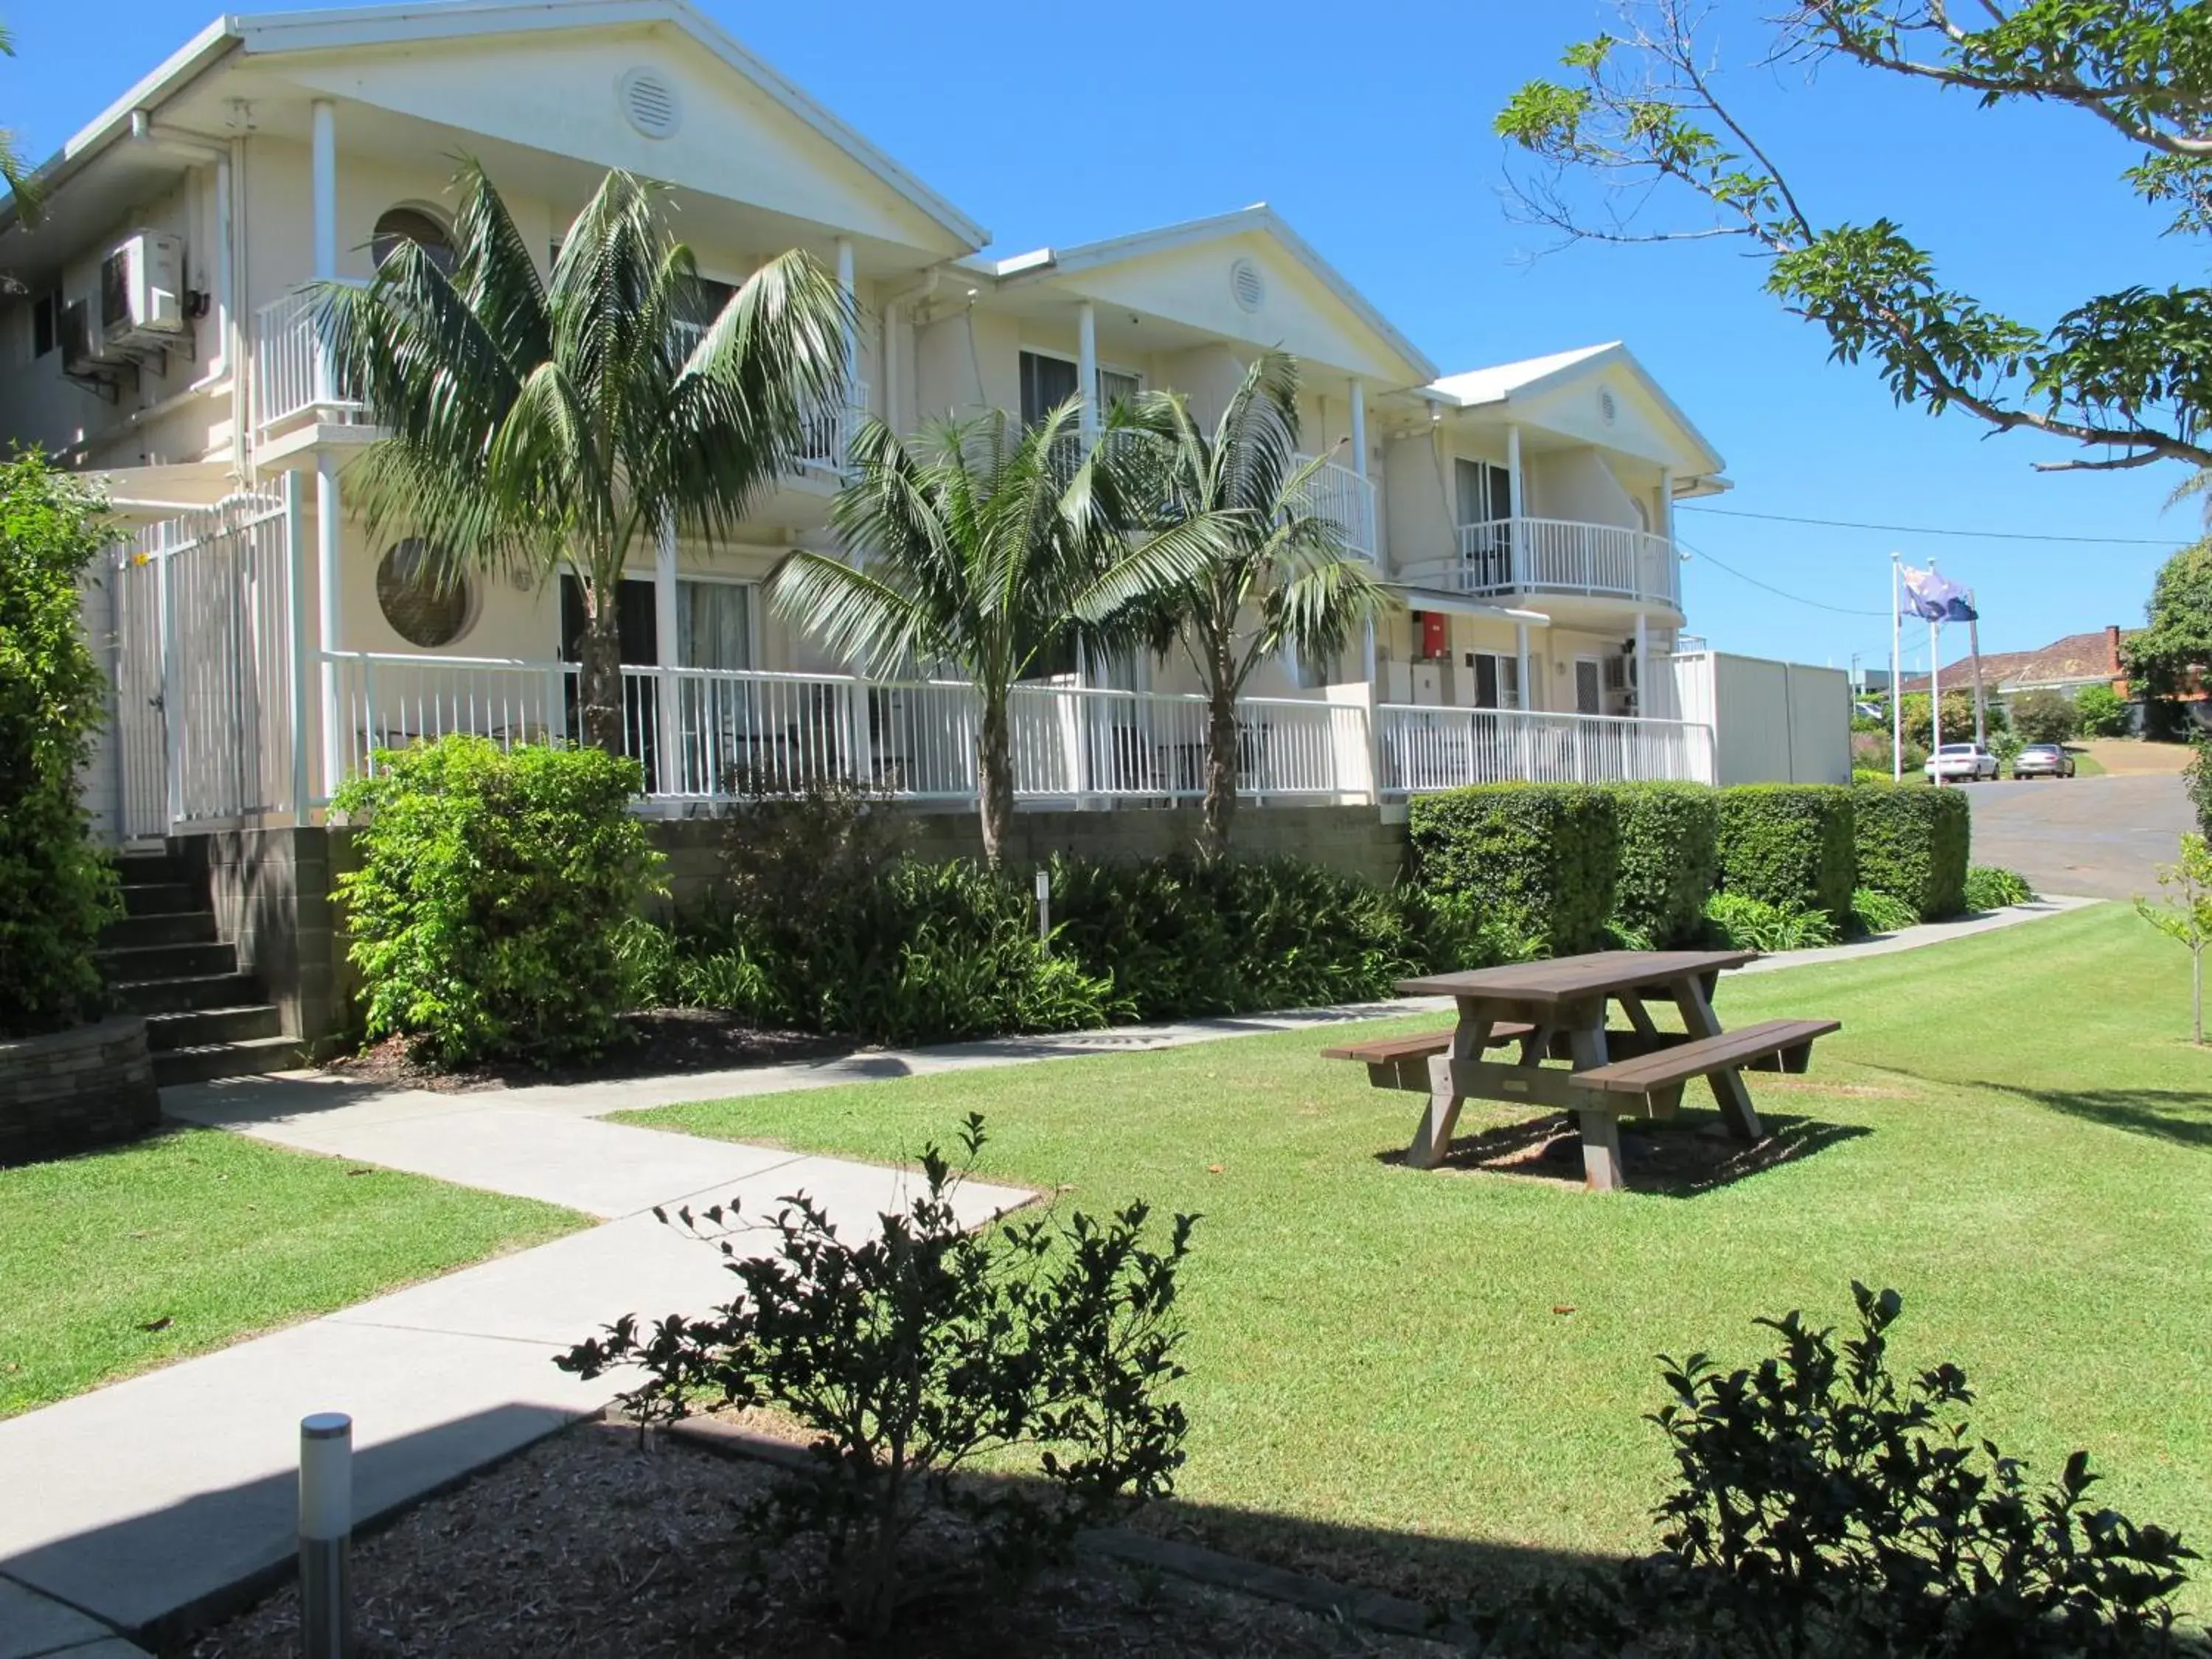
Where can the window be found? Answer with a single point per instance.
(1589, 683)
(1485, 492)
(45, 323)
(1496, 680)
(714, 624)
(427, 601)
(400, 226)
(1116, 387)
(1046, 383)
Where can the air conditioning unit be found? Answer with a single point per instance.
(142, 293)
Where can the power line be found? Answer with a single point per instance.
(1795, 598)
(1924, 530)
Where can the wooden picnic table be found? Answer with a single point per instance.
(1558, 1009)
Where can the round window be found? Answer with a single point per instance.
(402, 225)
(427, 606)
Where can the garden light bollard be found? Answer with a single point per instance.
(1045, 903)
(325, 1535)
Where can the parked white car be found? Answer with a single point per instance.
(1960, 763)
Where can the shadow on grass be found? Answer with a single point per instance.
(1689, 1154)
(2183, 1117)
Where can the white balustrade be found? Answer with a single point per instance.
(1425, 749)
(388, 701)
(1558, 555)
(293, 374)
(1346, 499)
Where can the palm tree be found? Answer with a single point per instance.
(15, 172)
(1277, 575)
(533, 422)
(988, 548)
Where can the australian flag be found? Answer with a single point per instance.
(1937, 599)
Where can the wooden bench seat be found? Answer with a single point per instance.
(1785, 1044)
(1403, 1062)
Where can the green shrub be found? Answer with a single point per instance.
(1991, 888)
(1789, 844)
(1733, 922)
(2196, 779)
(1669, 860)
(1540, 859)
(490, 915)
(57, 891)
(1879, 912)
(922, 1351)
(2046, 717)
(2102, 711)
(1912, 844)
(1958, 718)
(1830, 1506)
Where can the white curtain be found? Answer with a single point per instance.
(714, 624)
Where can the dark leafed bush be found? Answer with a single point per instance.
(1789, 844)
(2046, 717)
(1913, 843)
(1669, 860)
(1828, 1507)
(915, 1353)
(1540, 859)
(57, 891)
(2102, 711)
(492, 912)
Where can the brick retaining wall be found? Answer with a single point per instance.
(74, 1089)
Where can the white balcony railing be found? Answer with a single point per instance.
(293, 373)
(704, 734)
(1420, 750)
(1336, 493)
(1556, 556)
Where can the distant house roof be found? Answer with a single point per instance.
(2077, 659)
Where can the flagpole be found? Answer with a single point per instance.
(1896, 679)
(1935, 685)
(1974, 645)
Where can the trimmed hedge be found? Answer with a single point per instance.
(1913, 844)
(1789, 843)
(1540, 859)
(1669, 860)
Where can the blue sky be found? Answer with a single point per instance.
(1369, 127)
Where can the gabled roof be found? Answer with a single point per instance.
(337, 28)
(1532, 376)
(2078, 657)
(1259, 218)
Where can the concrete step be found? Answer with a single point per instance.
(247, 1058)
(159, 898)
(131, 964)
(195, 1028)
(175, 994)
(186, 927)
(147, 869)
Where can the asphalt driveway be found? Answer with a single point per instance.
(2097, 837)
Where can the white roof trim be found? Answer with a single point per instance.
(1532, 376)
(1259, 219)
(337, 28)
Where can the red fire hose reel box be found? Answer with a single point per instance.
(1435, 635)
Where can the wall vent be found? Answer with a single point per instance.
(650, 103)
(1608, 411)
(1246, 282)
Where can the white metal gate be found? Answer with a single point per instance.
(202, 668)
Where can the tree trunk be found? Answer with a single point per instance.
(994, 778)
(599, 676)
(1221, 758)
(2196, 994)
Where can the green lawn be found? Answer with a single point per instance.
(120, 1261)
(2011, 1130)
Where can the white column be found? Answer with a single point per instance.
(1669, 584)
(851, 399)
(667, 709)
(297, 645)
(1521, 650)
(1359, 467)
(223, 300)
(1086, 366)
(1643, 663)
(1519, 491)
(323, 168)
(328, 524)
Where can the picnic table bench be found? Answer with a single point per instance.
(1556, 1010)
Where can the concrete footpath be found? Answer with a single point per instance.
(131, 1510)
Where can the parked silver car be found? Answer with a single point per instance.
(2043, 760)
(1960, 763)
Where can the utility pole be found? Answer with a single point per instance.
(1974, 645)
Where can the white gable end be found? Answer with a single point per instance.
(565, 94)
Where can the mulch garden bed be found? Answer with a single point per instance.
(602, 1544)
(655, 1040)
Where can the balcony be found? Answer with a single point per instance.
(295, 383)
(1506, 557)
(1341, 495)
